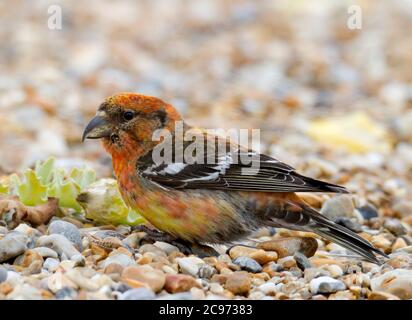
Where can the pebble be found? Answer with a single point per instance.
(166, 247)
(248, 264)
(403, 209)
(379, 295)
(287, 262)
(326, 285)
(66, 293)
(368, 211)
(206, 271)
(152, 249)
(397, 282)
(238, 283)
(138, 294)
(395, 227)
(179, 283)
(62, 246)
(190, 265)
(302, 261)
(68, 230)
(46, 252)
(12, 245)
(117, 258)
(138, 276)
(338, 206)
(259, 255)
(51, 264)
(269, 288)
(3, 274)
(381, 242)
(289, 246)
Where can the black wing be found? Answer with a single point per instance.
(237, 170)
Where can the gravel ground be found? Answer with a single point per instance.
(334, 103)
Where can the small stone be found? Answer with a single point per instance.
(248, 264)
(302, 261)
(12, 245)
(312, 273)
(24, 292)
(46, 252)
(166, 247)
(118, 258)
(351, 224)
(397, 282)
(206, 271)
(51, 264)
(152, 249)
(190, 265)
(66, 293)
(334, 270)
(288, 246)
(67, 229)
(287, 262)
(138, 294)
(114, 268)
(259, 255)
(381, 242)
(368, 211)
(403, 209)
(268, 288)
(179, 283)
(338, 206)
(399, 244)
(59, 281)
(62, 246)
(216, 288)
(326, 285)
(395, 227)
(238, 283)
(3, 274)
(135, 276)
(379, 295)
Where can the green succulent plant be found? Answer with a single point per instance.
(104, 203)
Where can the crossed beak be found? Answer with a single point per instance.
(98, 127)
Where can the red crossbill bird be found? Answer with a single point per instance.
(213, 201)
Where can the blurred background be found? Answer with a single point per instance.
(334, 102)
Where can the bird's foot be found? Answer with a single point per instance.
(153, 235)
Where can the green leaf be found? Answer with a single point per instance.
(65, 189)
(30, 191)
(44, 170)
(83, 177)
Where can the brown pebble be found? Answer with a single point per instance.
(260, 255)
(135, 276)
(179, 283)
(289, 246)
(379, 295)
(114, 268)
(238, 283)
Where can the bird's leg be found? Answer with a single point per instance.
(153, 235)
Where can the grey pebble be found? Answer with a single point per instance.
(12, 245)
(368, 211)
(62, 246)
(51, 264)
(326, 285)
(66, 293)
(3, 274)
(206, 271)
(120, 258)
(67, 229)
(248, 264)
(138, 294)
(302, 261)
(338, 206)
(395, 227)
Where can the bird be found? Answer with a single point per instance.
(210, 195)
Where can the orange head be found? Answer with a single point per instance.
(126, 123)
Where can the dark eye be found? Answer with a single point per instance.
(128, 115)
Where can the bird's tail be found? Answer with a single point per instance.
(343, 236)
